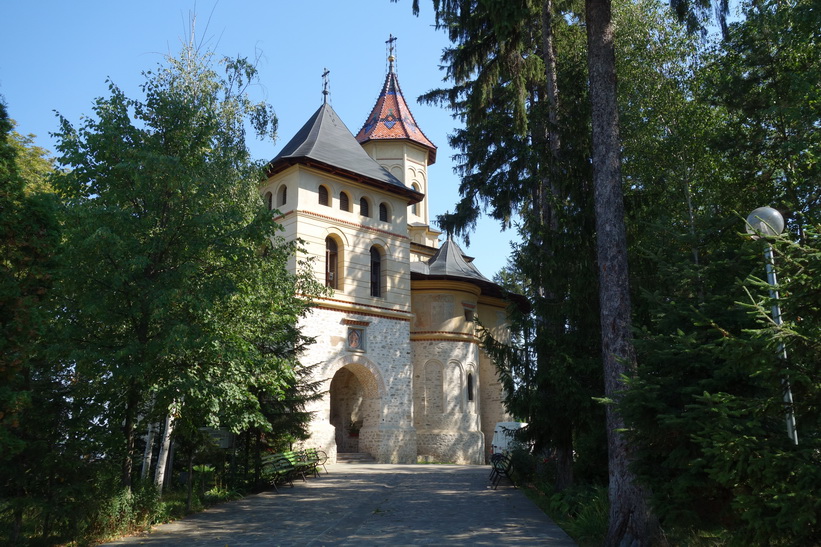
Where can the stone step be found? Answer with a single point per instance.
(354, 457)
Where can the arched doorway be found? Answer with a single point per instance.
(355, 408)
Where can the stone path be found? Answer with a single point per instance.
(371, 504)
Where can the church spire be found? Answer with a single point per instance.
(391, 58)
(325, 86)
(391, 119)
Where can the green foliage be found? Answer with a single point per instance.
(28, 236)
(581, 510)
(176, 290)
(584, 513)
(168, 288)
(774, 483)
(766, 77)
(509, 168)
(706, 413)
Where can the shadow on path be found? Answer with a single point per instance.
(371, 504)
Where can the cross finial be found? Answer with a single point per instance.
(390, 41)
(325, 85)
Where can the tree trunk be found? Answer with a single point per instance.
(132, 401)
(189, 483)
(148, 452)
(551, 79)
(162, 459)
(631, 522)
(564, 456)
(16, 535)
(550, 195)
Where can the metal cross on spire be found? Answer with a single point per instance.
(325, 85)
(391, 58)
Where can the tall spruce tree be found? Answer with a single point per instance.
(522, 157)
(668, 139)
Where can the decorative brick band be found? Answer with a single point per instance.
(283, 215)
(358, 304)
(465, 340)
(354, 323)
(454, 333)
(380, 316)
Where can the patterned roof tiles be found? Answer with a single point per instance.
(391, 118)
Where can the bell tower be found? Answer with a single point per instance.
(391, 136)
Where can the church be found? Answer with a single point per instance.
(405, 379)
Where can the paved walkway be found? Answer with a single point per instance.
(371, 504)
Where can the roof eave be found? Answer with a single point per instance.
(283, 163)
(431, 150)
(489, 288)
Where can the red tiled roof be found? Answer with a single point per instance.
(392, 119)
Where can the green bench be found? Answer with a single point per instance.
(282, 467)
(276, 469)
(299, 463)
(316, 458)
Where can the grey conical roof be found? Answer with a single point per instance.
(449, 261)
(326, 143)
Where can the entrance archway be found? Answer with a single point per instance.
(355, 408)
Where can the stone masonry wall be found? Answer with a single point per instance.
(382, 369)
(447, 422)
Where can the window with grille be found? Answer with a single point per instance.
(376, 272)
(383, 212)
(323, 196)
(331, 263)
(344, 202)
(364, 209)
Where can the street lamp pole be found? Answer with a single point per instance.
(767, 222)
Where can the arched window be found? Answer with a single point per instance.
(344, 202)
(415, 206)
(364, 209)
(269, 201)
(323, 196)
(376, 272)
(383, 212)
(331, 263)
(470, 386)
(282, 196)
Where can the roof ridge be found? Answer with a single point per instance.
(325, 139)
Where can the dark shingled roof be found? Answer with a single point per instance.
(326, 143)
(450, 262)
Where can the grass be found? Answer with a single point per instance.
(581, 511)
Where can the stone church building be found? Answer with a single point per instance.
(405, 377)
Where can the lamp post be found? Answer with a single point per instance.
(767, 222)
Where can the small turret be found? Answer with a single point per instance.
(391, 136)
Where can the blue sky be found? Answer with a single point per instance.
(56, 56)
